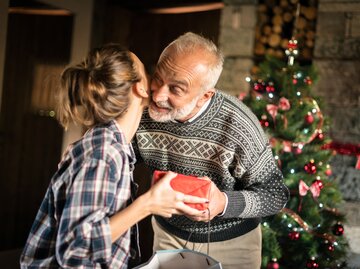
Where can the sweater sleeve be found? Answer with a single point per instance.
(264, 192)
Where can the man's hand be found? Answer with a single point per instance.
(217, 202)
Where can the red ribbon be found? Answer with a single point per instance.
(272, 110)
(345, 149)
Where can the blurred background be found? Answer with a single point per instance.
(39, 38)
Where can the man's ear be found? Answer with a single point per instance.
(205, 97)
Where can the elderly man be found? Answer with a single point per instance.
(194, 129)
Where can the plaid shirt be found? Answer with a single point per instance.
(93, 182)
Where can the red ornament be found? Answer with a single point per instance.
(270, 87)
(259, 86)
(320, 136)
(263, 121)
(309, 118)
(328, 172)
(293, 235)
(310, 168)
(338, 229)
(308, 80)
(330, 247)
(292, 45)
(294, 81)
(312, 263)
(319, 183)
(273, 264)
(297, 150)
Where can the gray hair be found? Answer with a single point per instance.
(189, 42)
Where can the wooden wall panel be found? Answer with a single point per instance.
(31, 144)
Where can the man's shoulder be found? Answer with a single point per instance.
(233, 104)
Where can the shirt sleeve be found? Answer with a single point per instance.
(84, 232)
(264, 192)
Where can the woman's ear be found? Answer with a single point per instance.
(139, 89)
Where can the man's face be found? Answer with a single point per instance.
(176, 88)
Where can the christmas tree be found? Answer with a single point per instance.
(308, 232)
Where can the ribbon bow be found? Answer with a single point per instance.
(314, 189)
(284, 105)
(303, 190)
(272, 110)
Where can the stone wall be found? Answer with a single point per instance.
(237, 36)
(337, 58)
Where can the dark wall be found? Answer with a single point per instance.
(31, 140)
(147, 34)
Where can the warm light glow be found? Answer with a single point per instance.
(186, 9)
(39, 11)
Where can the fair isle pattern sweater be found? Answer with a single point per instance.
(227, 144)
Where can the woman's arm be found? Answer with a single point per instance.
(161, 199)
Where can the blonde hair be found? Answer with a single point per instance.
(190, 42)
(97, 90)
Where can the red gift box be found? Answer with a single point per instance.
(189, 185)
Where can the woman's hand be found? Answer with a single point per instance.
(164, 201)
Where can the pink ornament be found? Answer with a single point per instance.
(284, 104)
(273, 264)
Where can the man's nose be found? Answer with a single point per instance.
(160, 94)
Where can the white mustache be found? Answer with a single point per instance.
(163, 104)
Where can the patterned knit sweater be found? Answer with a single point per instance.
(227, 144)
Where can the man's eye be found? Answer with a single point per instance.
(175, 89)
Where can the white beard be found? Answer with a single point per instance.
(173, 114)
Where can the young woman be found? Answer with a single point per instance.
(85, 218)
